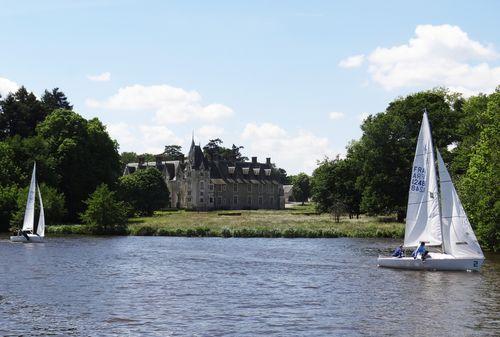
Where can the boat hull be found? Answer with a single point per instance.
(33, 238)
(436, 261)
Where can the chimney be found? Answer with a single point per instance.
(268, 161)
(141, 160)
(159, 159)
(254, 160)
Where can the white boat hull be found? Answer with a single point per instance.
(33, 238)
(436, 261)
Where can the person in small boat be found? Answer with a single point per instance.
(420, 250)
(398, 252)
(25, 234)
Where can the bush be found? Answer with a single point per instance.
(145, 191)
(8, 206)
(105, 214)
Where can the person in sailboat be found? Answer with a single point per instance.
(25, 234)
(398, 252)
(420, 250)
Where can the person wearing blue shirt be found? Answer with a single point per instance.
(398, 252)
(420, 250)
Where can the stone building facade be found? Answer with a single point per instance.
(201, 184)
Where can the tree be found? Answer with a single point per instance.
(280, 175)
(144, 190)
(387, 146)
(215, 151)
(83, 155)
(55, 99)
(301, 187)
(173, 152)
(8, 205)
(479, 186)
(20, 113)
(105, 214)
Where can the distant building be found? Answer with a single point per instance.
(287, 191)
(202, 184)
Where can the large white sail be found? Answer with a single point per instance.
(458, 237)
(423, 221)
(29, 214)
(40, 229)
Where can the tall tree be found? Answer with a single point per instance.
(301, 187)
(55, 99)
(20, 113)
(388, 143)
(84, 156)
(173, 152)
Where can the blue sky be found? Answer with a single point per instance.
(287, 79)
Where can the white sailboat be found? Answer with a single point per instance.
(28, 233)
(438, 219)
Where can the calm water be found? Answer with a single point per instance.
(235, 287)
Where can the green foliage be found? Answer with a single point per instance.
(105, 214)
(55, 99)
(387, 147)
(173, 152)
(145, 190)
(8, 206)
(215, 151)
(479, 186)
(301, 187)
(83, 153)
(53, 205)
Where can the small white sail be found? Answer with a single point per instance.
(458, 237)
(423, 221)
(40, 229)
(29, 214)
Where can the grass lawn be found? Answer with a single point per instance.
(296, 221)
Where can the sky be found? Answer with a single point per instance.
(290, 80)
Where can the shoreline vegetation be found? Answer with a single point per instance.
(295, 222)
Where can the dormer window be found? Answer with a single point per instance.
(256, 171)
(268, 172)
(245, 170)
(231, 169)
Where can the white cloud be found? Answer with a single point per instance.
(296, 152)
(436, 56)
(352, 61)
(170, 104)
(143, 138)
(336, 115)
(7, 86)
(208, 132)
(104, 77)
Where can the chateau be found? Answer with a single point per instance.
(201, 184)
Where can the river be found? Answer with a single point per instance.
(172, 286)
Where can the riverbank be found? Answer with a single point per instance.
(295, 222)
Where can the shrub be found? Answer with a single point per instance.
(105, 214)
(8, 205)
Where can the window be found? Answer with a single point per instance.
(201, 199)
(201, 173)
(188, 199)
(267, 171)
(271, 200)
(201, 193)
(224, 201)
(218, 188)
(224, 188)
(260, 200)
(211, 200)
(231, 169)
(235, 187)
(211, 187)
(249, 200)
(256, 171)
(219, 200)
(235, 200)
(189, 192)
(245, 170)
(249, 188)
(202, 185)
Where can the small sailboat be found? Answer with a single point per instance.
(435, 217)
(29, 233)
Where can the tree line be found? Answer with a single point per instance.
(373, 177)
